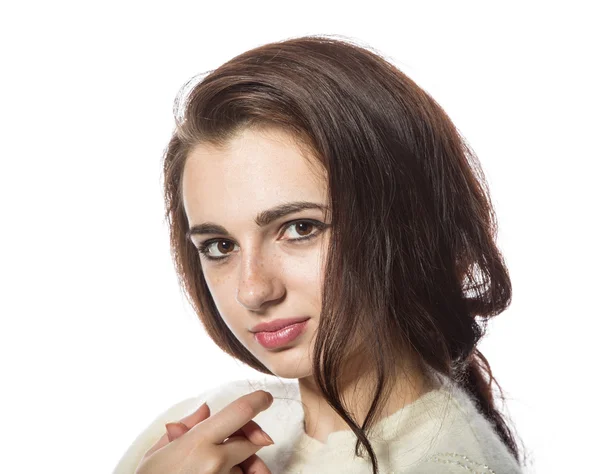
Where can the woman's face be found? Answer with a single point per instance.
(259, 273)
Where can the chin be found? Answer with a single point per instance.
(288, 364)
(290, 374)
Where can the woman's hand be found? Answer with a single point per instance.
(224, 444)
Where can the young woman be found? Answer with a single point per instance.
(331, 227)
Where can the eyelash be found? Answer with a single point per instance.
(204, 246)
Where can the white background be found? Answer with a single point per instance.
(96, 337)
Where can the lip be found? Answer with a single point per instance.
(276, 339)
(277, 324)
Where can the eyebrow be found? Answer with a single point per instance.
(262, 219)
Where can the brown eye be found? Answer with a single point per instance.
(304, 228)
(216, 249)
(223, 246)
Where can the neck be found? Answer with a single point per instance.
(357, 390)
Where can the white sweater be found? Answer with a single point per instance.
(440, 433)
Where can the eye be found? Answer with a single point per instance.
(218, 245)
(217, 249)
(303, 229)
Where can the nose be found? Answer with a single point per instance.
(260, 281)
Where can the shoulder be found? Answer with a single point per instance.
(465, 441)
(222, 395)
(229, 391)
(455, 463)
(283, 419)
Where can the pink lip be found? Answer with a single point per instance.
(272, 340)
(277, 324)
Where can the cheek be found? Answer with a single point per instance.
(222, 291)
(305, 277)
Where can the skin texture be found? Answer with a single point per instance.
(267, 275)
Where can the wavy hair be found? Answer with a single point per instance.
(412, 260)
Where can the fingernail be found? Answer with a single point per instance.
(267, 437)
(171, 433)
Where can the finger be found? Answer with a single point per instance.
(255, 433)
(255, 465)
(236, 470)
(255, 436)
(172, 432)
(221, 425)
(175, 430)
(190, 421)
(201, 414)
(237, 449)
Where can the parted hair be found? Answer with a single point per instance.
(412, 262)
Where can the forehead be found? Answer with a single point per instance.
(254, 171)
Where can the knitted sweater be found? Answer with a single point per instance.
(440, 433)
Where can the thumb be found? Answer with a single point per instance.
(175, 430)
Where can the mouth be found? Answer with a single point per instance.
(281, 337)
(277, 324)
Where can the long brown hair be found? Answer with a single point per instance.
(412, 254)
